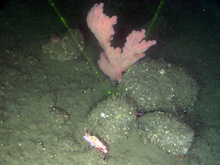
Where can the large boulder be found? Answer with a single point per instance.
(156, 85)
(166, 131)
(111, 119)
(63, 47)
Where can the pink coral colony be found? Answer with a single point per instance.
(114, 61)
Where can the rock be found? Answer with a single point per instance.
(111, 119)
(166, 131)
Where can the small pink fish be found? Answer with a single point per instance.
(95, 142)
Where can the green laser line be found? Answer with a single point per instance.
(147, 32)
(154, 18)
(78, 44)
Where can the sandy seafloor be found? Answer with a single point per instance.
(44, 103)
